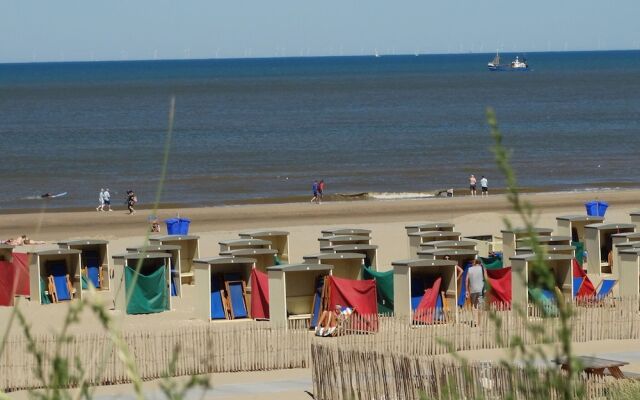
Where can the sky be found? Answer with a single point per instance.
(85, 30)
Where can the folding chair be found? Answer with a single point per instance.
(237, 292)
(219, 309)
(59, 282)
(605, 288)
(577, 284)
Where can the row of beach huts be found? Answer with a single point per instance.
(254, 278)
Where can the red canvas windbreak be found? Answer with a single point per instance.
(427, 306)
(21, 265)
(359, 295)
(499, 281)
(7, 283)
(259, 295)
(586, 289)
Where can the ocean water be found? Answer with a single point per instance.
(266, 128)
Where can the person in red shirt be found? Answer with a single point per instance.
(320, 190)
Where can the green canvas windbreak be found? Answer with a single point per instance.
(43, 293)
(579, 251)
(384, 288)
(150, 294)
(492, 262)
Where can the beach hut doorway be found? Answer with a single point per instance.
(174, 251)
(142, 282)
(95, 261)
(54, 275)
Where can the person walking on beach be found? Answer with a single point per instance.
(314, 188)
(100, 201)
(484, 184)
(107, 200)
(132, 199)
(320, 190)
(472, 185)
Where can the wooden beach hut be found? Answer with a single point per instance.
(330, 241)
(485, 244)
(54, 275)
(418, 238)
(189, 251)
(293, 291)
(279, 241)
(94, 255)
(146, 278)
(222, 287)
(599, 243)
(412, 277)
(461, 257)
(346, 232)
(370, 252)
(629, 282)
(559, 264)
(635, 217)
(345, 265)
(511, 236)
(235, 244)
(618, 240)
(174, 252)
(264, 257)
(448, 244)
(429, 227)
(573, 225)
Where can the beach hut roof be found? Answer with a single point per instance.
(626, 245)
(343, 238)
(164, 238)
(435, 234)
(264, 232)
(87, 242)
(138, 256)
(334, 256)
(352, 247)
(248, 252)
(225, 260)
(347, 231)
(580, 218)
(429, 225)
(453, 243)
(610, 226)
(419, 262)
(548, 247)
(154, 249)
(524, 230)
(55, 252)
(628, 235)
(633, 250)
(634, 213)
(549, 257)
(450, 252)
(553, 238)
(245, 242)
(300, 267)
(6, 246)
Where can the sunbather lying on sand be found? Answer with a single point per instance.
(22, 240)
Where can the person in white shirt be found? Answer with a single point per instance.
(107, 199)
(484, 184)
(100, 201)
(475, 283)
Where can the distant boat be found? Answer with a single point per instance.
(516, 65)
(519, 65)
(376, 54)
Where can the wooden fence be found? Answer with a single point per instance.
(252, 346)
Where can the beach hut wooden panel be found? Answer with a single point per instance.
(294, 291)
(448, 244)
(559, 264)
(511, 236)
(370, 252)
(549, 249)
(429, 227)
(279, 241)
(222, 288)
(176, 268)
(345, 265)
(264, 257)
(545, 240)
(461, 257)
(629, 278)
(418, 238)
(635, 217)
(599, 243)
(485, 244)
(146, 278)
(54, 275)
(95, 260)
(412, 277)
(346, 232)
(189, 251)
(235, 244)
(330, 241)
(573, 225)
(618, 240)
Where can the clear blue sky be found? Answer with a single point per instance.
(55, 30)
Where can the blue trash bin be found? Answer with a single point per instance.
(596, 208)
(184, 226)
(173, 226)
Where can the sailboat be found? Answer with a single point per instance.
(494, 65)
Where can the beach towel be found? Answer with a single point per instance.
(237, 299)
(259, 295)
(91, 261)
(8, 283)
(149, 294)
(217, 301)
(58, 269)
(384, 288)
(21, 265)
(586, 288)
(427, 311)
(361, 296)
(317, 301)
(499, 282)
(493, 262)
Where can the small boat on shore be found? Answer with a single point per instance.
(515, 65)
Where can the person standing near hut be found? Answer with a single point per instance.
(484, 184)
(475, 283)
(100, 200)
(472, 185)
(107, 200)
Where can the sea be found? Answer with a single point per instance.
(261, 130)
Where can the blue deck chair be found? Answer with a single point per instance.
(91, 261)
(58, 272)
(217, 304)
(605, 288)
(317, 302)
(577, 283)
(236, 290)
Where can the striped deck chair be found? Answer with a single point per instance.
(577, 284)
(605, 288)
